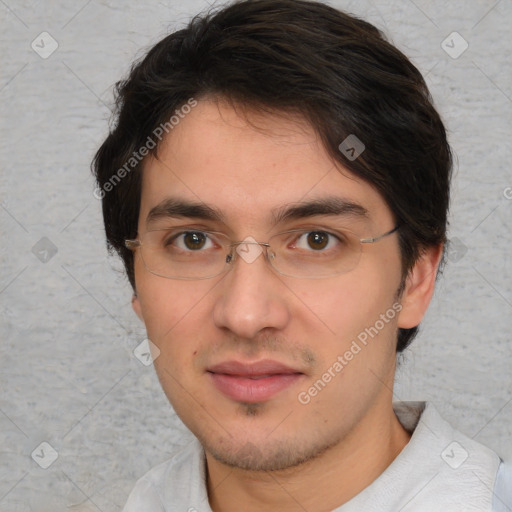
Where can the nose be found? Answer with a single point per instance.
(251, 297)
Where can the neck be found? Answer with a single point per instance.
(335, 476)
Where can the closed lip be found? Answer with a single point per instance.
(266, 367)
(253, 382)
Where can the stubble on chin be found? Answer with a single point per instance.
(272, 456)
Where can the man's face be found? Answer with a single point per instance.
(240, 352)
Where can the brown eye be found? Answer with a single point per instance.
(318, 240)
(194, 240)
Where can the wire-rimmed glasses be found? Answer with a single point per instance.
(193, 254)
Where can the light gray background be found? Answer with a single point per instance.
(68, 374)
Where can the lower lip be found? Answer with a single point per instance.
(244, 389)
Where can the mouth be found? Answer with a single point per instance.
(253, 382)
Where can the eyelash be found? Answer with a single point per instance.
(297, 235)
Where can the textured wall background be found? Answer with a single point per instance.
(68, 373)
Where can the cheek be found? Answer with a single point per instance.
(360, 349)
(172, 310)
(346, 305)
(174, 318)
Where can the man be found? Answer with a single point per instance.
(277, 185)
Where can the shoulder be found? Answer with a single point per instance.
(503, 489)
(178, 481)
(455, 466)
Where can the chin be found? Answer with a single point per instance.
(278, 455)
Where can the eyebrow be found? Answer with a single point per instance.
(331, 205)
(179, 208)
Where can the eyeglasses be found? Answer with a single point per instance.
(194, 254)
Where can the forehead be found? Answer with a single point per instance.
(248, 166)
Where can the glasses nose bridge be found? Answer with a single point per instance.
(231, 257)
(249, 242)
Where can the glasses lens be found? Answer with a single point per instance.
(317, 253)
(181, 254)
(194, 254)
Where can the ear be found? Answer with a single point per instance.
(136, 306)
(419, 287)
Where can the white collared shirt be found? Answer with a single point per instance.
(440, 469)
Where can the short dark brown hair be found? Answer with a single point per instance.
(293, 57)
